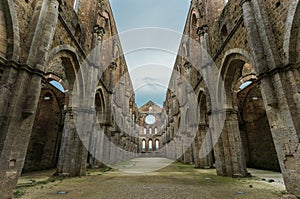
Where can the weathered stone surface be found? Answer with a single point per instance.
(255, 41)
(49, 41)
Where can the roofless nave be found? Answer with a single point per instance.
(256, 42)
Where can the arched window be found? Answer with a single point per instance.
(155, 130)
(224, 32)
(150, 145)
(57, 85)
(156, 144)
(145, 130)
(47, 97)
(150, 130)
(245, 84)
(76, 5)
(144, 145)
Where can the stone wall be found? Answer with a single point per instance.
(264, 133)
(45, 138)
(49, 40)
(150, 131)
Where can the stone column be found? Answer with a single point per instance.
(279, 89)
(73, 152)
(19, 94)
(230, 160)
(206, 162)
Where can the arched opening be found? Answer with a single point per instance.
(203, 137)
(45, 140)
(150, 130)
(150, 147)
(97, 134)
(224, 32)
(76, 5)
(9, 28)
(194, 27)
(242, 131)
(57, 85)
(155, 130)
(145, 130)
(3, 30)
(77, 33)
(156, 145)
(62, 67)
(255, 130)
(293, 34)
(100, 107)
(144, 146)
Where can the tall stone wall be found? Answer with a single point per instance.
(259, 33)
(49, 40)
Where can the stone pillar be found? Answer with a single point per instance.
(230, 160)
(279, 89)
(73, 152)
(95, 146)
(206, 162)
(19, 94)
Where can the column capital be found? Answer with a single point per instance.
(202, 30)
(113, 66)
(99, 30)
(187, 66)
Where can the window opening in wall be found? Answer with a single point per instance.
(145, 131)
(245, 84)
(224, 32)
(76, 5)
(144, 145)
(150, 119)
(77, 32)
(278, 4)
(150, 131)
(150, 145)
(57, 85)
(155, 131)
(156, 144)
(47, 97)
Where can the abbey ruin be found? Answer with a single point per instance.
(74, 45)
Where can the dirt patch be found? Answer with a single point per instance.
(175, 181)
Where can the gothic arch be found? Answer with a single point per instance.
(292, 32)
(70, 62)
(239, 54)
(107, 25)
(202, 107)
(231, 68)
(10, 38)
(194, 22)
(100, 106)
(60, 48)
(234, 69)
(49, 77)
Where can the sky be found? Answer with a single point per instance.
(150, 33)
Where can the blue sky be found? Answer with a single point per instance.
(150, 53)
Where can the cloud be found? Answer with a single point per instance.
(150, 53)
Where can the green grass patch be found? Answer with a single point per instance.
(18, 194)
(43, 182)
